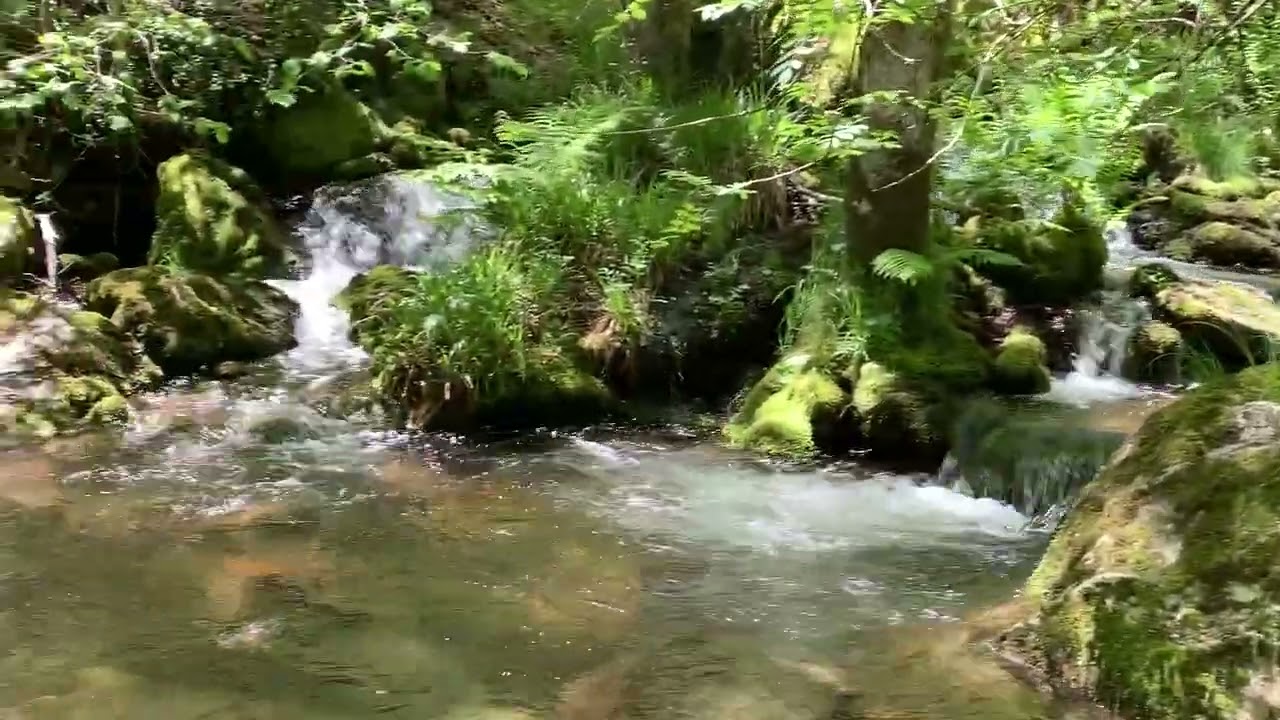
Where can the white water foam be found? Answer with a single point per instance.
(52, 238)
(389, 220)
(697, 495)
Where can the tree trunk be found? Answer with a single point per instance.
(887, 192)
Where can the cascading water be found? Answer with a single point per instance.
(1105, 329)
(51, 238)
(389, 220)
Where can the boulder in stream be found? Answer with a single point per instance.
(1020, 364)
(1238, 324)
(782, 412)
(19, 241)
(63, 367)
(189, 322)
(1233, 223)
(1159, 593)
(211, 217)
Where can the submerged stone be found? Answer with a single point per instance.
(211, 217)
(189, 322)
(1158, 594)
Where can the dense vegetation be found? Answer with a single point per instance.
(884, 201)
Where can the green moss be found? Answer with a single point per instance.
(1239, 324)
(1020, 365)
(189, 322)
(896, 415)
(210, 217)
(327, 126)
(1061, 262)
(1221, 243)
(370, 297)
(1149, 279)
(86, 267)
(19, 241)
(1231, 189)
(780, 412)
(1154, 353)
(1159, 591)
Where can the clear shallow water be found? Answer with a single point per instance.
(238, 555)
(236, 566)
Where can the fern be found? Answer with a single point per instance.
(903, 266)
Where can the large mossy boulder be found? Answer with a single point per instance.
(1233, 223)
(1160, 593)
(188, 322)
(19, 241)
(326, 127)
(65, 368)
(212, 218)
(1238, 324)
(786, 413)
(1061, 261)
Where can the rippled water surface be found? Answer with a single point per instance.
(243, 557)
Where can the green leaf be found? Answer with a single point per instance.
(507, 63)
(902, 266)
(281, 97)
(119, 123)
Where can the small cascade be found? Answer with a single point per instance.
(51, 238)
(1105, 329)
(1034, 458)
(388, 220)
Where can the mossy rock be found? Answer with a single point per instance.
(1062, 262)
(1221, 243)
(86, 267)
(189, 322)
(370, 296)
(325, 127)
(786, 412)
(896, 418)
(1237, 188)
(1154, 353)
(1020, 364)
(1150, 278)
(1238, 324)
(212, 218)
(19, 241)
(72, 367)
(1158, 594)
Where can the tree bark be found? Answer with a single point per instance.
(887, 191)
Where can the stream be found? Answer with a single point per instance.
(238, 554)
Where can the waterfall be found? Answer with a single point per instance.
(49, 235)
(352, 228)
(1104, 334)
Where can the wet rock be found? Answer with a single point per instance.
(1020, 365)
(1163, 575)
(1154, 353)
(189, 322)
(1235, 223)
(63, 367)
(1220, 243)
(19, 242)
(1238, 324)
(212, 218)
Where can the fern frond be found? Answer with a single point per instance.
(902, 266)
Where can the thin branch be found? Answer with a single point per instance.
(691, 123)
